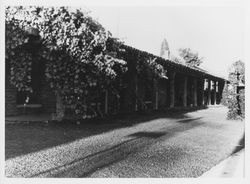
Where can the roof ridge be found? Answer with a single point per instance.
(196, 68)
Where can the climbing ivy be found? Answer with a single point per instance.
(79, 54)
(149, 72)
(81, 58)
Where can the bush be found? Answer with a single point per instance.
(232, 106)
(236, 105)
(242, 102)
(232, 98)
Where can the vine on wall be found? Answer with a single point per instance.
(79, 54)
(82, 60)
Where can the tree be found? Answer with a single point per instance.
(234, 98)
(81, 58)
(237, 73)
(177, 59)
(191, 58)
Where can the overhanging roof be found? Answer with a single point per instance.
(171, 64)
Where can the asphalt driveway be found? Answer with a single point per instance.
(172, 146)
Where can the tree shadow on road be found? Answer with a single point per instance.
(24, 138)
(187, 120)
(136, 142)
(148, 134)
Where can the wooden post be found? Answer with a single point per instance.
(195, 92)
(156, 100)
(202, 92)
(136, 93)
(172, 91)
(106, 102)
(185, 91)
(60, 108)
(209, 92)
(221, 86)
(215, 91)
(155, 94)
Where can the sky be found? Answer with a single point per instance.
(215, 32)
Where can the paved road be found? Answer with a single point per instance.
(232, 167)
(164, 147)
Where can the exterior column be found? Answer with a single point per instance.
(106, 102)
(185, 91)
(202, 92)
(220, 90)
(195, 92)
(172, 91)
(209, 92)
(136, 94)
(60, 108)
(155, 101)
(215, 91)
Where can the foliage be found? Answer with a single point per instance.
(233, 100)
(236, 105)
(80, 55)
(191, 58)
(232, 105)
(148, 69)
(176, 59)
(237, 73)
(242, 102)
(225, 94)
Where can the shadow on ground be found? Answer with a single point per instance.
(187, 120)
(240, 145)
(148, 134)
(24, 138)
(86, 166)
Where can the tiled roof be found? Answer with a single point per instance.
(175, 64)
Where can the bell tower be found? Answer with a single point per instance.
(165, 52)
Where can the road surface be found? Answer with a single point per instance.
(185, 146)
